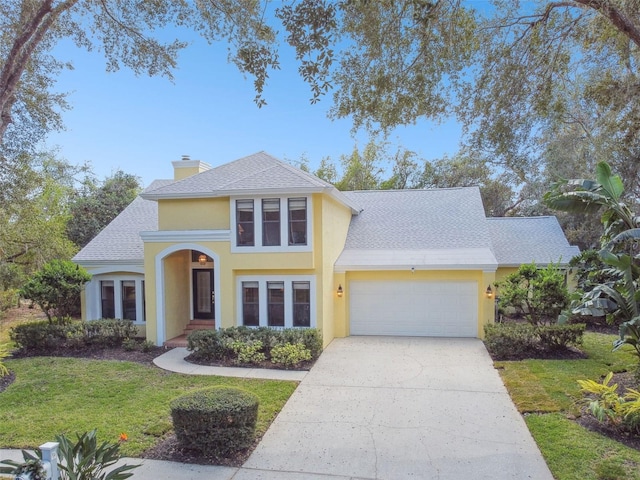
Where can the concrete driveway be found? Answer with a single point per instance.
(399, 407)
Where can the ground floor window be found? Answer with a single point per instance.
(250, 304)
(272, 301)
(113, 296)
(107, 299)
(129, 300)
(275, 302)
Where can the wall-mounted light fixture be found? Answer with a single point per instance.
(340, 291)
(202, 259)
(489, 292)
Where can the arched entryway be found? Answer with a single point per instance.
(187, 283)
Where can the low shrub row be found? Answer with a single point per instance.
(246, 346)
(514, 341)
(45, 336)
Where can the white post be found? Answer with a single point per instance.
(50, 459)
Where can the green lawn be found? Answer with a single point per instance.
(66, 395)
(547, 393)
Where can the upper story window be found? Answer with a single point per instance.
(271, 224)
(244, 219)
(297, 221)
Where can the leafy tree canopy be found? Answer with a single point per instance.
(97, 203)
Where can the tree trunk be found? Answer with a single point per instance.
(32, 30)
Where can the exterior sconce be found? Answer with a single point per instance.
(489, 292)
(340, 291)
(202, 259)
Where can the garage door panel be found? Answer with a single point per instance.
(420, 308)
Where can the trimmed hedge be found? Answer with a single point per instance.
(514, 341)
(45, 336)
(223, 344)
(217, 422)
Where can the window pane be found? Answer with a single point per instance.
(250, 304)
(244, 218)
(129, 300)
(297, 221)
(301, 304)
(275, 304)
(107, 299)
(271, 221)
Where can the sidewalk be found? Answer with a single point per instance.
(162, 470)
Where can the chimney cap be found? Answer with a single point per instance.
(186, 157)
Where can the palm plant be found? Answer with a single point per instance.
(619, 297)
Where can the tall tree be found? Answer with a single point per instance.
(33, 217)
(95, 204)
(512, 72)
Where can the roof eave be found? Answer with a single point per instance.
(232, 193)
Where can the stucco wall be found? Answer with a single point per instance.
(194, 214)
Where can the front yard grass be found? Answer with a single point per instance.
(53, 395)
(547, 393)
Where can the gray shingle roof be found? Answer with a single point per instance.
(418, 219)
(435, 229)
(518, 240)
(120, 240)
(257, 172)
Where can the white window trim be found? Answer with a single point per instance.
(93, 295)
(284, 226)
(288, 297)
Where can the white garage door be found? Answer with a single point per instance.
(416, 308)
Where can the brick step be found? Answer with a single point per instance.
(180, 341)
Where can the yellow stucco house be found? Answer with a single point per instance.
(258, 242)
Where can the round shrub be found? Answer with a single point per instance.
(218, 421)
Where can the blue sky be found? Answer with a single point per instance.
(141, 124)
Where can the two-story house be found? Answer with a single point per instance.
(258, 242)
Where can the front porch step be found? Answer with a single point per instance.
(181, 340)
(199, 325)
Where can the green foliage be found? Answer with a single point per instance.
(248, 352)
(217, 421)
(56, 288)
(507, 341)
(130, 345)
(32, 466)
(86, 459)
(95, 205)
(608, 406)
(589, 270)
(250, 344)
(34, 213)
(538, 295)
(45, 336)
(290, 354)
(4, 353)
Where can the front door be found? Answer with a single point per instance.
(203, 294)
